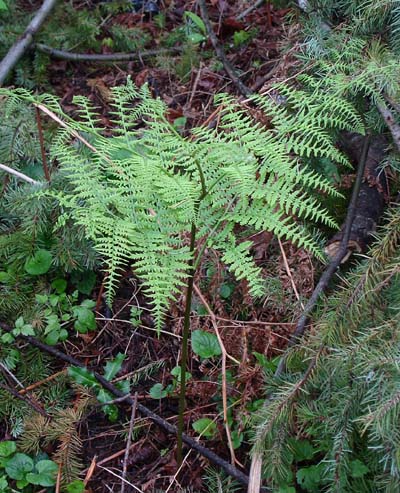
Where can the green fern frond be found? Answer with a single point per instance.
(138, 193)
(240, 262)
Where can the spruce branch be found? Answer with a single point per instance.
(36, 407)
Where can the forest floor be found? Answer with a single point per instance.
(260, 47)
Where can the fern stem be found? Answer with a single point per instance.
(195, 160)
(185, 339)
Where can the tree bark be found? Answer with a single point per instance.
(371, 199)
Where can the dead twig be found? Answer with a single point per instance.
(22, 44)
(120, 477)
(223, 372)
(103, 58)
(128, 442)
(18, 174)
(334, 264)
(289, 273)
(42, 147)
(41, 382)
(58, 481)
(229, 69)
(250, 9)
(115, 455)
(90, 471)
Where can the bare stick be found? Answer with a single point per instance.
(103, 58)
(18, 174)
(58, 481)
(90, 471)
(62, 124)
(128, 442)
(250, 9)
(19, 47)
(8, 372)
(114, 456)
(223, 373)
(289, 273)
(210, 455)
(121, 478)
(75, 134)
(42, 382)
(243, 89)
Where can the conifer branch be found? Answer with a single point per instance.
(25, 399)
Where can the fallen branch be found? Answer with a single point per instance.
(19, 47)
(335, 262)
(213, 457)
(18, 174)
(128, 443)
(229, 69)
(371, 198)
(250, 9)
(104, 58)
(342, 251)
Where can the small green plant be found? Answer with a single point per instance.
(135, 316)
(205, 427)
(205, 345)
(242, 37)
(58, 310)
(195, 28)
(22, 470)
(76, 486)
(85, 377)
(158, 391)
